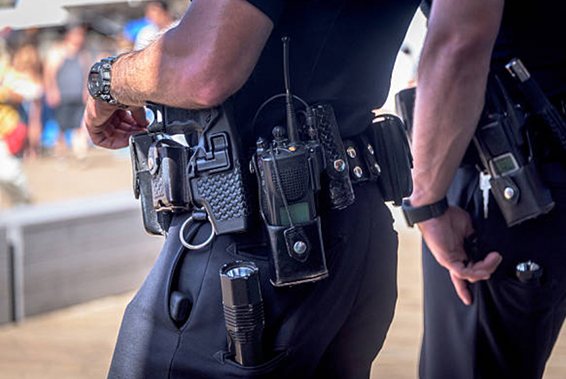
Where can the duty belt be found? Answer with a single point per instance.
(361, 160)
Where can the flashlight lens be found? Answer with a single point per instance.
(239, 272)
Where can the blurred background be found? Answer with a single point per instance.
(72, 245)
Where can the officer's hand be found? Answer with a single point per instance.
(110, 126)
(445, 237)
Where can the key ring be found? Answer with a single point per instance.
(190, 221)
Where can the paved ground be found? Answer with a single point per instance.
(77, 343)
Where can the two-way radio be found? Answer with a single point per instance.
(504, 147)
(288, 172)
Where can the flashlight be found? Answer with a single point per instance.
(528, 272)
(243, 311)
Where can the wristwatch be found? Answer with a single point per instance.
(99, 79)
(414, 215)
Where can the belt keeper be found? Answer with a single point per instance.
(361, 159)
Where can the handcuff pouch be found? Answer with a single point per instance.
(392, 152)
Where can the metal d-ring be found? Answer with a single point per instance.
(184, 242)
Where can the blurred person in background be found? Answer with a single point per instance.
(123, 44)
(28, 68)
(157, 12)
(13, 132)
(66, 67)
(494, 303)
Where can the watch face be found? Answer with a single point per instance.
(98, 82)
(94, 84)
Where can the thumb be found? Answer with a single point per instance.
(138, 114)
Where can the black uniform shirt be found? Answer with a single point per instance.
(534, 32)
(341, 52)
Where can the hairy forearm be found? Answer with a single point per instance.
(450, 97)
(133, 77)
(451, 90)
(156, 73)
(200, 62)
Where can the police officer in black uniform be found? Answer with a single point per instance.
(342, 53)
(493, 310)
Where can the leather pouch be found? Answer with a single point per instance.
(292, 263)
(339, 184)
(521, 195)
(392, 152)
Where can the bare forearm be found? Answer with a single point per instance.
(134, 75)
(450, 95)
(160, 73)
(199, 63)
(449, 102)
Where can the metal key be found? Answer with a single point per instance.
(485, 186)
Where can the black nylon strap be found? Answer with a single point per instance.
(414, 215)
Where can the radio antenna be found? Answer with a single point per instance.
(291, 119)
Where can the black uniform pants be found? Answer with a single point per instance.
(511, 327)
(330, 329)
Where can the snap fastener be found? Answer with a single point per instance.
(377, 168)
(370, 149)
(339, 165)
(300, 247)
(509, 193)
(351, 152)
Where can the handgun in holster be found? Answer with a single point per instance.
(205, 174)
(502, 141)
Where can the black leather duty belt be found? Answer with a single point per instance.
(362, 160)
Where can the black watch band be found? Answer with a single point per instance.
(414, 215)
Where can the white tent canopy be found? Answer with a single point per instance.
(33, 13)
(43, 13)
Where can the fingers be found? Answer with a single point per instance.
(489, 264)
(111, 127)
(116, 141)
(138, 114)
(97, 113)
(116, 137)
(128, 122)
(97, 117)
(480, 270)
(462, 274)
(445, 236)
(461, 287)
